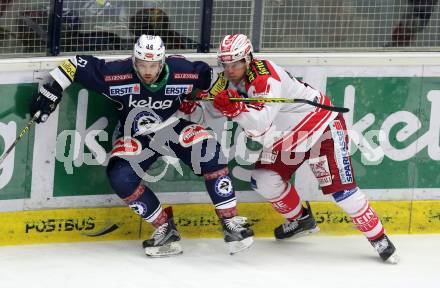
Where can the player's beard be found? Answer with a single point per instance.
(152, 79)
(146, 69)
(149, 79)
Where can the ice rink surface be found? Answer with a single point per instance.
(314, 261)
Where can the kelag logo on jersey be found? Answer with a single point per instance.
(177, 90)
(125, 89)
(165, 104)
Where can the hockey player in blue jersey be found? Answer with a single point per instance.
(147, 90)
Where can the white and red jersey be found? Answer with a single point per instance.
(278, 126)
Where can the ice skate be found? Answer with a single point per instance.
(164, 241)
(386, 249)
(238, 236)
(302, 226)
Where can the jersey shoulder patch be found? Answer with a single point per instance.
(219, 85)
(69, 69)
(260, 69)
(258, 73)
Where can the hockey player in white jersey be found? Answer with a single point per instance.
(291, 134)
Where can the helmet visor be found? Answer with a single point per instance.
(235, 71)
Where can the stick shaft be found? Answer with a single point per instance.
(284, 100)
(20, 136)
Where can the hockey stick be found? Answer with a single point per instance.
(280, 100)
(20, 136)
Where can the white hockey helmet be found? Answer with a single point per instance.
(149, 48)
(234, 48)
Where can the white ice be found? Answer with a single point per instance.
(314, 261)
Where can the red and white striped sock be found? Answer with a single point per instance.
(288, 203)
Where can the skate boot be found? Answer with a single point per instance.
(386, 249)
(302, 226)
(164, 240)
(238, 235)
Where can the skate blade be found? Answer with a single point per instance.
(301, 234)
(167, 250)
(393, 259)
(239, 246)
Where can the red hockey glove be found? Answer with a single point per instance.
(227, 107)
(188, 107)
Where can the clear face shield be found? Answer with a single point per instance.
(148, 71)
(235, 71)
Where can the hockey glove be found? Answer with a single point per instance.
(227, 107)
(46, 101)
(189, 107)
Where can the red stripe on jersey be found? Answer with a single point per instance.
(316, 128)
(300, 124)
(310, 124)
(293, 140)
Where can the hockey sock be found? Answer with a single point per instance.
(288, 204)
(221, 192)
(364, 217)
(144, 203)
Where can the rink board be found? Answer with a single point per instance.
(393, 122)
(393, 99)
(200, 221)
